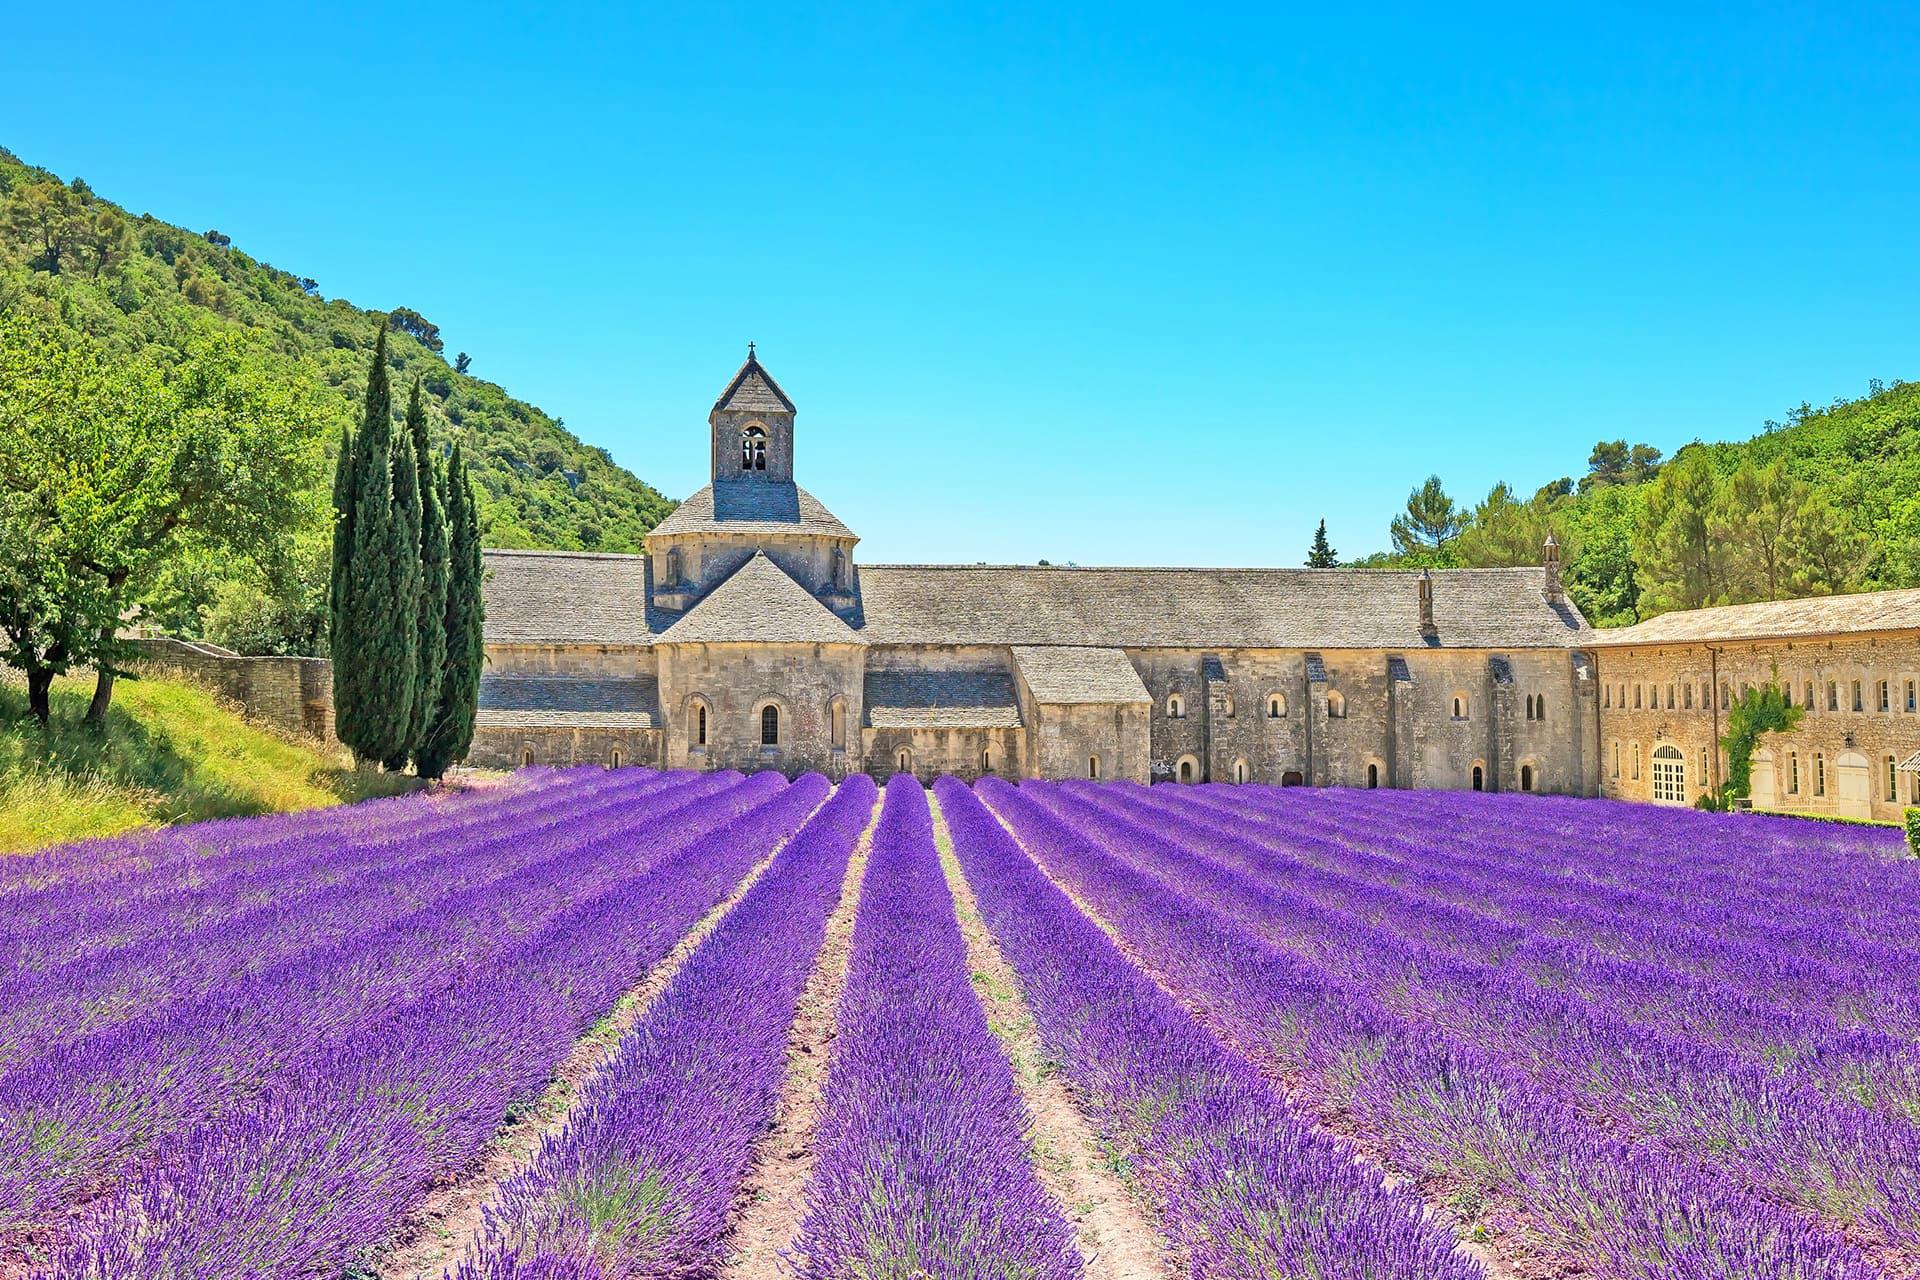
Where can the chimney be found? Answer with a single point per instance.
(1427, 630)
(1550, 561)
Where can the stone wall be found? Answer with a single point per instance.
(291, 695)
(1835, 761)
(735, 681)
(964, 753)
(511, 746)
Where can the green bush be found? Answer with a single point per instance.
(1913, 830)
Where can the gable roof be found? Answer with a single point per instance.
(1771, 619)
(1210, 608)
(1060, 674)
(566, 597)
(759, 604)
(752, 506)
(753, 390)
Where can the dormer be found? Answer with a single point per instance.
(752, 425)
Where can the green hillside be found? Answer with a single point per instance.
(1827, 501)
(136, 284)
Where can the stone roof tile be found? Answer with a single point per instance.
(752, 506)
(911, 698)
(753, 390)
(759, 604)
(1809, 616)
(1076, 674)
(566, 597)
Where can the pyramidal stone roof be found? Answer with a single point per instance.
(753, 390)
(759, 604)
(752, 506)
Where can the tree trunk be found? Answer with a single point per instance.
(39, 685)
(102, 699)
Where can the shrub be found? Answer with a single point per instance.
(1913, 830)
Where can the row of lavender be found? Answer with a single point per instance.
(253, 1055)
(1433, 987)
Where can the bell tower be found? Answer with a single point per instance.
(752, 425)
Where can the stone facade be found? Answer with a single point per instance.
(1665, 694)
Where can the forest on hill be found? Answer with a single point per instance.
(146, 290)
(1827, 501)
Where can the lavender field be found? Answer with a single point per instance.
(622, 1024)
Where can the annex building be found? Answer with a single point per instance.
(749, 636)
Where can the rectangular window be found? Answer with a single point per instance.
(1886, 700)
(1669, 697)
(1703, 768)
(1686, 695)
(1833, 695)
(1909, 697)
(1636, 697)
(1809, 697)
(1793, 773)
(1616, 757)
(1636, 762)
(1819, 774)
(1607, 696)
(1858, 705)
(1726, 696)
(1893, 779)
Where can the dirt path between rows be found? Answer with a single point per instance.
(449, 1221)
(773, 1198)
(1495, 1261)
(1117, 1238)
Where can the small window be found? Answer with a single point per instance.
(616, 758)
(700, 725)
(1910, 702)
(986, 760)
(526, 756)
(1277, 705)
(903, 761)
(1726, 696)
(1616, 757)
(1373, 776)
(1460, 706)
(1187, 770)
(1807, 702)
(1336, 705)
(1819, 773)
(1226, 705)
(769, 726)
(1526, 777)
(1858, 703)
(1670, 697)
(753, 449)
(1703, 768)
(1636, 762)
(1686, 695)
(837, 722)
(1893, 779)
(1239, 771)
(1833, 695)
(1176, 707)
(1793, 773)
(1607, 696)
(1886, 700)
(1093, 767)
(1636, 697)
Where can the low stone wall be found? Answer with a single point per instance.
(292, 695)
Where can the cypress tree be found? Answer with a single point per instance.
(365, 594)
(399, 658)
(451, 732)
(430, 629)
(341, 573)
(1322, 555)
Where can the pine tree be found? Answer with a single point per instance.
(400, 640)
(430, 632)
(1321, 555)
(451, 732)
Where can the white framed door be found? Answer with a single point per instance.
(1669, 776)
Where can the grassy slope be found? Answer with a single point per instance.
(175, 282)
(172, 753)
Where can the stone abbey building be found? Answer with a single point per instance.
(748, 636)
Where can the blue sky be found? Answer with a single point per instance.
(1108, 284)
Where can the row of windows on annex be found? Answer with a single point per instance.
(1276, 706)
(1187, 769)
(1885, 697)
(1812, 775)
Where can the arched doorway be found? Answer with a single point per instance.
(1479, 778)
(1240, 770)
(1669, 775)
(1292, 778)
(1188, 770)
(1526, 777)
(1373, 775)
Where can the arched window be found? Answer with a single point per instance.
(1336, 705)
(699, 724)
(673, 564)
(1479, 778)
(1606, 699)
(1226, 705)
(986, 760)
(1539, 706)
(903, 761)
(753, 448)
(1240, 770)
(1276, 705)
(1373, 775)
(526, 756)
(1526, 777)
(837, 723)
(1459, 706)
(1176, 707)
(1188, 769)
(616, 758)
(770, 726)
(840, 567)
(1686, 695)
(1093, 767)
(1636, 697)
(1616, 757)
